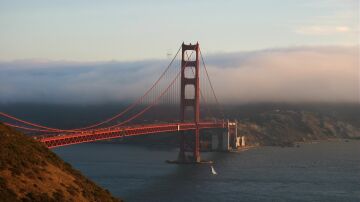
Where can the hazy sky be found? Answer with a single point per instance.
(92, 30)
(87, 51)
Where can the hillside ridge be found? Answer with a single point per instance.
(31, 172)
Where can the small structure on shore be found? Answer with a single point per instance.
(228, 140)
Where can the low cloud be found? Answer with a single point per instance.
(300, 74)
(303, 74)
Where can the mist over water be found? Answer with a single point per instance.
(294, 74)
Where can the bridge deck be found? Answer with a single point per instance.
(104, 134)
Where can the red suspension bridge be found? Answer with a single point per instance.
(186, 90)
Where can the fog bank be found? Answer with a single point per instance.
(298, 74)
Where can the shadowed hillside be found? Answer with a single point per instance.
(31, 172)
(285, 127)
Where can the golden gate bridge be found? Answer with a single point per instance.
(186, 90)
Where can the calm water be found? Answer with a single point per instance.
(327, 171)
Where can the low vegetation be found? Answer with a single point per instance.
(31, 172)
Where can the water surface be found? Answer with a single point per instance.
(326, 171)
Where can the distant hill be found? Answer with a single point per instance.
(285, 127)
(268, 127)
(31, 172)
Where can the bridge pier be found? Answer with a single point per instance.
(196, 152)
(229, 139)
(190, 152)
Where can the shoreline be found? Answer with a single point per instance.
(296, 144)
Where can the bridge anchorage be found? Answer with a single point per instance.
(133, 120)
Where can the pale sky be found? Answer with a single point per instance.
(92, 30)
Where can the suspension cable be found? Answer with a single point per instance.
(34, 125)
(107, 120)
(201, 93)
(150, 106)
(26, 128)
(154, 102)
(211, 86)
(137, 101)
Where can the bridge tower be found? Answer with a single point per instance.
(189, 84)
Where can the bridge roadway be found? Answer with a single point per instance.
(133, 130)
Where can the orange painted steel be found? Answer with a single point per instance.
(193, 102)
(106, 134)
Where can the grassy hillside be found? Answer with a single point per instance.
(31, 172)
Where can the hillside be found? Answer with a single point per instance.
(31, 172)
(285, 127)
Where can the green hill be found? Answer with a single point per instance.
(31, 172)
